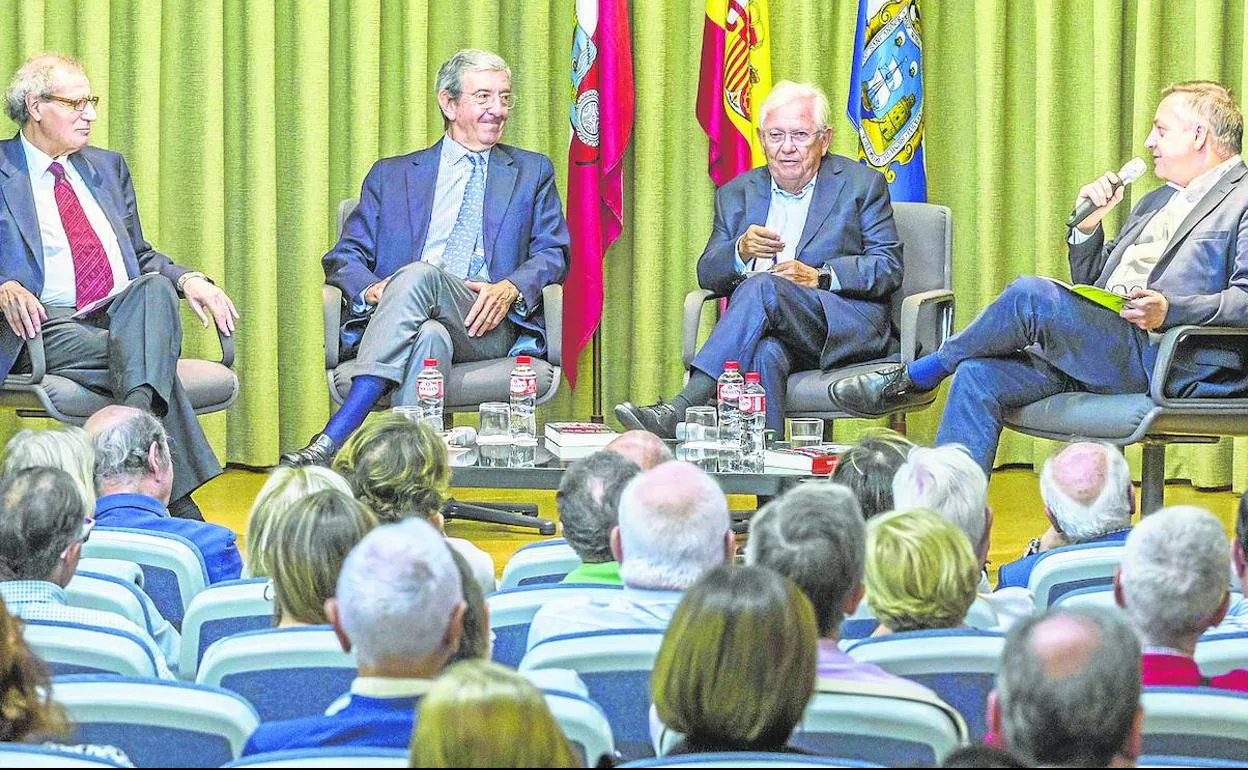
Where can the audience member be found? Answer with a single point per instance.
(920, 573)
(642, 447)
(980, 755)
(814, 535)
(947, 480)
(28, 714)
(588, 501)
(42, 529)
(399, 468)
(1068, 693)
(481, 714)
(284, 487)
(476, 640)
(1088, 498)
(868, 469)
(674, 526)
(134, 478)
(1236, 619)
(737, 664)
(306, 549)
(65, 447)
(400, 607)
(1173, 584)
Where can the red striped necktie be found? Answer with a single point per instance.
(93, 275)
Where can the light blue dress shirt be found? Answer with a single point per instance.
(786, 215)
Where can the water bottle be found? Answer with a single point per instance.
(753, 424)
(524, 411)
(429, 394)
(729, 389)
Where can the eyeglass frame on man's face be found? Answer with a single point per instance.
(801, 138)
(486, 98)
(84, 534)
(74, 104)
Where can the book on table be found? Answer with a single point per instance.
(579, 434)
(818, 459)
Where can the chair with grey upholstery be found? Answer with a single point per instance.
(1154, 419)
(922, 311)
(467, 385)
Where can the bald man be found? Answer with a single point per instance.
(1068, 694)
(642, 447)
(1088, 498)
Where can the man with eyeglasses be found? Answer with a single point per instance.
(446, 255)
(809, 253)
(76, 272)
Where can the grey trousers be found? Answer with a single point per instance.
(421, 315)
(134, 341)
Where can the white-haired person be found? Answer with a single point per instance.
(673, 527)
(399, 607)
(1172, 582)
(283, 488)
(1088, 498)
(947, 480)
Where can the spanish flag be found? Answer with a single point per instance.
(735, 78)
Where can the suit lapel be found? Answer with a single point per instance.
(758, 201)
(828, 186)
(1204, 208)
(18, 196)
(108, 205)
(422, 181)
(500, 180)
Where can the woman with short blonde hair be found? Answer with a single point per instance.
(920, 572)
(481, 714)
(284, 487)
(67, 447)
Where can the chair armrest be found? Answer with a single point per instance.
(694, 301)
(38, 363)
(331, 311)
(552, 302)
(929, 313)
(1163, 368)
(227, 348)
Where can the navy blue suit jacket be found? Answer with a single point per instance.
(21, 248)
(215, 543)
(526, 237)
(383, 723)
(1203, 273)
(849, 228)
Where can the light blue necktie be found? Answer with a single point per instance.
(457, 257)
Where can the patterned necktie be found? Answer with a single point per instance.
(93, 275)
(457, 257)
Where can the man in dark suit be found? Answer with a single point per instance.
(76, 270)
(447, 253)
(1181, 258)
(808, 252)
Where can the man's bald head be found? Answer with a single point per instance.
(1068, 692)
(642, 447)
(1086, 488)
(109, 416)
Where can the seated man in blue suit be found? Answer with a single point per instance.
(134, 476)
(76, 270)
(447, 253)
(1088, 498)
(1181, 258)
(400, 606)
(808, 252)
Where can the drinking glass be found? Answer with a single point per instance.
(701, 438)
(494, 433)
(805, 431)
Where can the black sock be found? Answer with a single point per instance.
(698, 391)
(141, 397)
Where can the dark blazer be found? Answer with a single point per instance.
(1203, 273)
(849, 228)
(526, 237)
(21, 248)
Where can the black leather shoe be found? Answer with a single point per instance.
(319, 451)
(659, 419)
(878, 393)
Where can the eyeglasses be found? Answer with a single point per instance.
(486, 98)
(84, 534)
(77, 105)
(800, 138)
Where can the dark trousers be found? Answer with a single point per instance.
(775, 327)
(1035, 340)
(134, 341)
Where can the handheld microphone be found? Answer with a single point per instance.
(1133, 170)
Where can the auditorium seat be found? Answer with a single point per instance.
(22, 755)
(1072, 568)
(1195, 722)
(746, 759)
(74, 648)
(93, 591)
(584, 724)
(158, 723)
(221, 610)
(512, 611)
(173, 568)
(546, 562)
(337, 756)
(1216, 654)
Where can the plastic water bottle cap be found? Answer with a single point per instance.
(431, 362)
(732, 365)
(523, 360)
(751, 377)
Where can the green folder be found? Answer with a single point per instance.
(1104, 298)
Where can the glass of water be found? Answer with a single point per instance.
(701, 438)
(413, 412)
(494, 433)
(805, 431)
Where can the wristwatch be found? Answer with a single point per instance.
(188, 275)
(825, 278)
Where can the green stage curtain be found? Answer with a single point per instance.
(246, 122)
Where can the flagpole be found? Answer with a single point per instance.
(597, 416)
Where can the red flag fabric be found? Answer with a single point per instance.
(734, 79)
(602, 121)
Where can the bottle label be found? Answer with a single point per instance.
(730, 391)
(429, 388)
(524, 386)
(753, 404)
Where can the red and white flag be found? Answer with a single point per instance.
(602, 120)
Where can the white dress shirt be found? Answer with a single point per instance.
(59, 289)
(634, 609)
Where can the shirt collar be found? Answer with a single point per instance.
(650, 596)
(107, 503)
(37, 161)
(389, 687)
(1201, 185)
(32, 592)
(453, 152)
(800, 195)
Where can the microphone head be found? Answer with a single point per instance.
(1133, 170)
